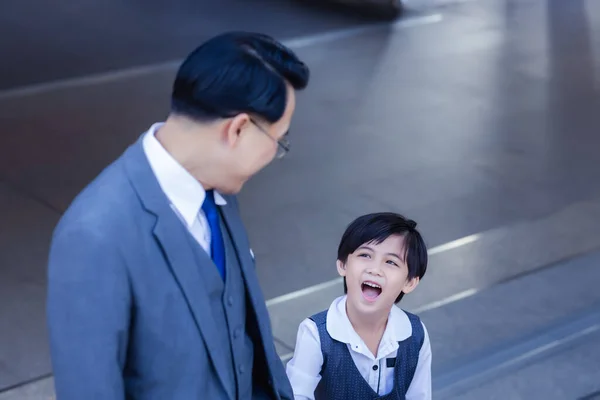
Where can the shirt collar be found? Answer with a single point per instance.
(340, 328)
(184, 192)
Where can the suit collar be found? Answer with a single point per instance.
(184, 192)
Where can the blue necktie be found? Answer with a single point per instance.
(217, 247)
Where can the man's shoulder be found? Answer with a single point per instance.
(109, 198)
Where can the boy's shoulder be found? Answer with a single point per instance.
(412, 318)
(336, 310)
(405, 325)
(319, 318)
(417, 327)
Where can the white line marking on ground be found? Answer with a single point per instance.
(446, 301)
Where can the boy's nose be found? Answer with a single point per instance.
(374, 270)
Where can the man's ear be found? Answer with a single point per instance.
(410, 285)
(235, 128)
(341, 267)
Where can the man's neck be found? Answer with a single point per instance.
(176, 136)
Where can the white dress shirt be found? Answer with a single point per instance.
(184, 192)
(304, 368)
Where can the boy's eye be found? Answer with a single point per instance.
(364, 255)
(392, 262)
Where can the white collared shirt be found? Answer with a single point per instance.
(184, 192)
(304, 368)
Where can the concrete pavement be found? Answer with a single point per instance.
(482, 122)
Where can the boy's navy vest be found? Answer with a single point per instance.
(341, 380)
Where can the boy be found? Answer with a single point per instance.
(363, 347)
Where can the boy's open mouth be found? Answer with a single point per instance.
(371, 290)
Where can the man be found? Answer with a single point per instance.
(152, 285)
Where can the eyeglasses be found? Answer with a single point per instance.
(283, 144)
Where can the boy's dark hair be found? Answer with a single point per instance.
(237, 72)
(376, 228)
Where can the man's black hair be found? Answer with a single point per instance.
(237, 72)
(376, 228)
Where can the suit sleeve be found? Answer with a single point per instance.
(88, 311)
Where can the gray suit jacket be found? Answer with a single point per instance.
(128, 313)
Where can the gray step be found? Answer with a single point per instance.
(560, 362)
(512, 310)
(42, 389)
(572, 373)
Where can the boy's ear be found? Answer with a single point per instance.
(341, 267)
(410, 285)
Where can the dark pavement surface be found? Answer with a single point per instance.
(483, 122)
(61, 39)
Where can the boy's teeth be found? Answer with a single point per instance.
(372, 285)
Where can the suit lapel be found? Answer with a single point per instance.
(175, 243)
(182, 260)
(234, 224)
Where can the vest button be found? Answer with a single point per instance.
(375, 367)
(241, 369)
(237, 332)
(230, 301)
